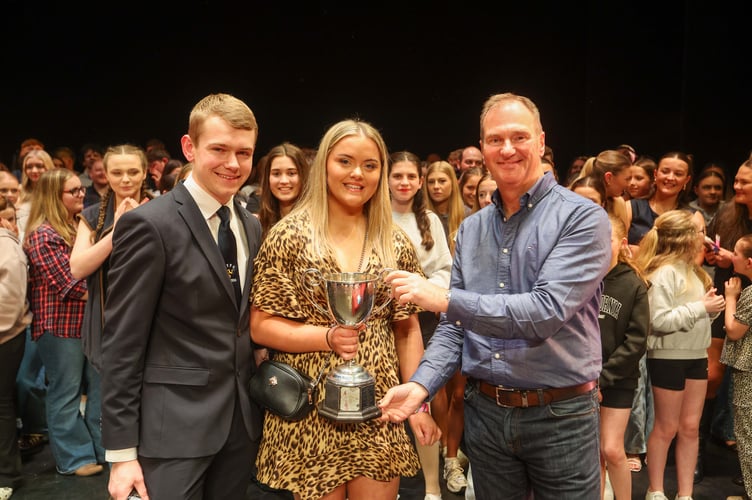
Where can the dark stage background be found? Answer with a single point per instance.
(660, 76)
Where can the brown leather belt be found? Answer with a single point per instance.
(524, 398)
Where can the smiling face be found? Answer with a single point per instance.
(404, 182)
(126, 175)
(743, 186)
(739, 260)
(485, 192)
(512, 146)
(353, 170)
(73, 202)
(284, 180)
(671, 177)
(471, 157)
(222, 157)
(98, 175)
(34, 168)
(468, 190)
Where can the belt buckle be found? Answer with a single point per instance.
(501, 389)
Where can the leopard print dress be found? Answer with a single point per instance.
(313, 456)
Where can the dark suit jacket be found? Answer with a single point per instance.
(177, 350)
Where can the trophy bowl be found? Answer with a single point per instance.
(349, 390)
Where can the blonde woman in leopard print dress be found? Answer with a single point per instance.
(342, 223)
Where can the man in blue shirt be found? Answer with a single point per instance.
(521, 319)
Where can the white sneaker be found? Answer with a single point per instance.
(455, 475)
(432, 496)
(5, 493)
(464, 461)
(655, 495)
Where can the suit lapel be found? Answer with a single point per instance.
(245, 220)
(188, 210)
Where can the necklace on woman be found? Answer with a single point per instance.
(363, 251)
(660, 208)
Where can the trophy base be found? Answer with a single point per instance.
(349, 417)
(350, 395)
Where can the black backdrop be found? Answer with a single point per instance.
(660, 76)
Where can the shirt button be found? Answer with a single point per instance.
(497, 356)
(529, 205)
(501, 285)
(505, 250)
(458, 323)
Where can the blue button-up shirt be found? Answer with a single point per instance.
(525, 294)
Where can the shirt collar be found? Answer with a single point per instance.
(532, 196)
(206, 202)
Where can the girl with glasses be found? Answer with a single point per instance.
(57, 303)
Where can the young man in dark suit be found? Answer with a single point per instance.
(176, 416)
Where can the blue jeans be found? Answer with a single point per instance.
(31, 389)
(551, 451)
(641, 418)
(75, 440)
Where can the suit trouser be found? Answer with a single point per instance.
(224, 476)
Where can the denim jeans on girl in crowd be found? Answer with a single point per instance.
(75, 440)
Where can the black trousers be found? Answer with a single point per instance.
(224, 476)
(11, 354)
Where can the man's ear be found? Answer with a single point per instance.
(187, 145)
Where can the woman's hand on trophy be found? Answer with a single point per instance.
(344, 341)
(411, 288)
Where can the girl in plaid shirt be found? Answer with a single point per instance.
(57, 303)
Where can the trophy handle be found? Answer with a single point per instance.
(311, 279)
(382, 275)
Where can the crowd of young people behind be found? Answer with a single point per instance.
(67, 249)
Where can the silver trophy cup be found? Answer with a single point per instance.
(349, 390)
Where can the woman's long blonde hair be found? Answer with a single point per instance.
(47, 205)
(27, 188)
(314, 199)
(672, 239)
(625, 256)
(456, 205)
